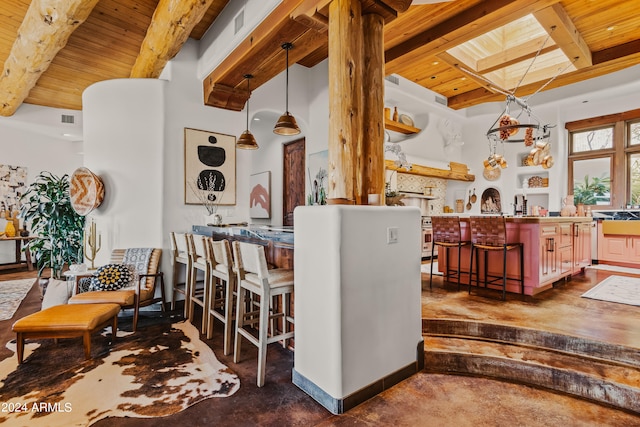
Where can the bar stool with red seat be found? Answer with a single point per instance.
(446, 233)
(489, 233)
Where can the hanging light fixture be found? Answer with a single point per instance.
(247, 141)
(286, 124)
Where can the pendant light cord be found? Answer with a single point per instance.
(287, 46)
(248, 77)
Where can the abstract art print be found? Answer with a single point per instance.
(260, 195)
(209, 168)
(13, 184)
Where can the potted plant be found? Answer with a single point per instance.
(586, 192)
(57, 227)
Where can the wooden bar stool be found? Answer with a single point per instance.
(446, 233)
(489, 233)
(180, 256)
(254, 278)
(223, 291)
(200, 261)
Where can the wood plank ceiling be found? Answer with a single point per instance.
(465, 50)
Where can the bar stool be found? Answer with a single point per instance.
(446, 233)
(180, 255)
(223, 290)
(254, 278)
(489, 233)
(200, 261)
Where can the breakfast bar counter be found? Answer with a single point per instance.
(554, 248)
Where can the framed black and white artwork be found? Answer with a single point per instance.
(209, 168)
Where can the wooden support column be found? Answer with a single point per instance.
(371, 167)
(345, 98)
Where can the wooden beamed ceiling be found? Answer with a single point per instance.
(594, 38)
(468, 51)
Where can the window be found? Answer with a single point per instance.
(604, 160)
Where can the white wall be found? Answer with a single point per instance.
(26, 140)
(124, 140)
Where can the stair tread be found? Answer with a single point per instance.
(608, 371)
(526, 336)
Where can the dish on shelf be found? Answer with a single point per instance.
(406, 120)
(535, 182)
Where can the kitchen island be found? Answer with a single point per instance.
(277, 241)
(554, 248)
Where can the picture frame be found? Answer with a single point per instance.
(209, 168)
(260, 195)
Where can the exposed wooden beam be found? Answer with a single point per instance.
(463, 68)
(521, 52)
(45, 30)
(170, 27)
(470, 23)
(262, 44)
(616, 52)
(558, 24)
(630, 58)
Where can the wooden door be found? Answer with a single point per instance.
(293, 179)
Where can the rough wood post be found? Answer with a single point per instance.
(371, 157)
(345, 98)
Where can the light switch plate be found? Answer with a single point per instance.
(392, 235)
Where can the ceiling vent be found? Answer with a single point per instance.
(68, 118)
(442, 100)
(238, 22)
(393, 79)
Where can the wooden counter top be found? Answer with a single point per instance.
(533, 219)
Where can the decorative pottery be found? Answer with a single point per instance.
(568, 208)
(10, 230)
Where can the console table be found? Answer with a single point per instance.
(27, 254)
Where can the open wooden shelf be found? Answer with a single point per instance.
(432, 172)
(400, 127)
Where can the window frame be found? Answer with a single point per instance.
(619, 154)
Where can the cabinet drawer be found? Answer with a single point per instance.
(625, 228)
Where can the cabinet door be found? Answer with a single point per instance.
(565, 260)
(613, 248)
(581, 246)
(634, 253)
(565, 235)
(548, 270)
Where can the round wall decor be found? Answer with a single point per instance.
(491, 174)
(86, 191)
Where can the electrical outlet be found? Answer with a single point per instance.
(392, 235)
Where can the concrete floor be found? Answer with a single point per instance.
(424, 399)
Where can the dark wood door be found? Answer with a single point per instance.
(293, 180)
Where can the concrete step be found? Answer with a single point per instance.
(581, 346)
(600, 379)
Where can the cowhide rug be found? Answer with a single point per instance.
(160, 370)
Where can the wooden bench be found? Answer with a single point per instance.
(67, 321)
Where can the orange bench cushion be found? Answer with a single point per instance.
(123, 297)
(60, 318)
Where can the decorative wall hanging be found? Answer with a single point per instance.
(260, 195)
(317, 171)
(209, 168)
(86, 191)
(13, 184)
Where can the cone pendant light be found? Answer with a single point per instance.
(247, 141)
(286, 124)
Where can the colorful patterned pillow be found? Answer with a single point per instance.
(111, 277)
